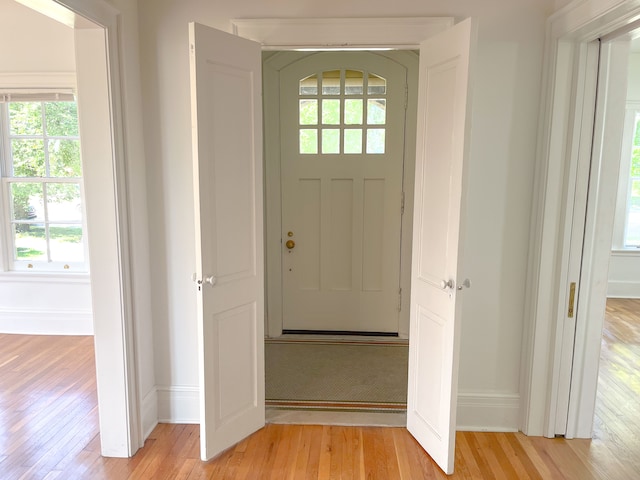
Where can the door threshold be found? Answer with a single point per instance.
(337, 339)
(351, 419)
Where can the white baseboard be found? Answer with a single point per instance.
(178, 404)
(488, 413)
(149, 412)
(46, 322)
(623, 289)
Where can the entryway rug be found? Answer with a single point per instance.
(330, 375)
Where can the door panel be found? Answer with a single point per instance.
(437, 254)
(227, 154)
(343, 208)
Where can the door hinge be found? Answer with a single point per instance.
(402, 204)
(399, 299)
(572, 299)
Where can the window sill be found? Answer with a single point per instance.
(44, 277)
(625, 252)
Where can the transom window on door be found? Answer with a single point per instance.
(342, 111)
(42, 183)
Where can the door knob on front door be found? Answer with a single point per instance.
(290, 244)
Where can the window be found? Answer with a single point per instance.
(42, 183)
(342, 111)
(632, 217)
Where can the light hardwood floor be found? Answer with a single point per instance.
(49, 429)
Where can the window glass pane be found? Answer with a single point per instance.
(64, 158)
(308, 140)
(375, 140)
(65, 242)
(28, 158)
(309, 85)
(354, 82)
(61, 119)
(331, 140)
(27, 201)
(353, 112)
(632, 234)
(308, 112)
(635, 162)
(25, 118)
(376, 111)
(30, 242)
(63, 202)
(353, 141)
(376, 85)
(331, 112)
(331, 82)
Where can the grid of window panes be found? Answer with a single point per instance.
(632, 224)
(342, 111)
(43, 183)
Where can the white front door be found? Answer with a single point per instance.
(227, 152)
(436, 278)
(342, 117)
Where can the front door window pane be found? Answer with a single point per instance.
(308, 112)
(353, 112)
(375, 140)
(308, 141)
(331, 82)
(353, 141)
(331, 140)
(353, 82)
(309, 85)
(331, 112)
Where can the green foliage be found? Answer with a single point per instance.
(62, 119)
(25, 118)
(28, 252)
(28, 158)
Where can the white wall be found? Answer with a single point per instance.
(505, 113)
(624, 265)
(35, 48)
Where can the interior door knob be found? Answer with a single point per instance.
(290, 244)
(446, 284)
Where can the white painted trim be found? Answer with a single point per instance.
(577, 24)
(340, 33)
(119, 404)
(622, 289)
(488, 412)
(149, 412)
(178, 404)
(33, 321)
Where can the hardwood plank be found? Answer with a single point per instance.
(49, 429)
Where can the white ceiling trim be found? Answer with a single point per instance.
(340, 33)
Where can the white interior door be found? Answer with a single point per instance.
(342, 151)
(227, 152)
(436, 282)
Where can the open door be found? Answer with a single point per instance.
(226, 106)
(436, 281)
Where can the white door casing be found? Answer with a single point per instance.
(227, 151)
(342, 210)
(437, 252)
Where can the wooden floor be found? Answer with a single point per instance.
(49, 429)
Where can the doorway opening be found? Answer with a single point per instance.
(337, 206)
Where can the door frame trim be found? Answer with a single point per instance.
(569, 31)
(121, 432)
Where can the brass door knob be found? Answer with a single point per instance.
(290, 244)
